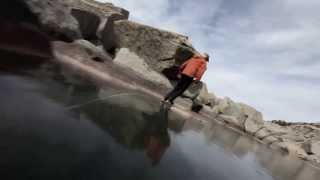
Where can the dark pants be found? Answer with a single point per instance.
(183, 84)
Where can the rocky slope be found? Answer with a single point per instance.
(102, 33)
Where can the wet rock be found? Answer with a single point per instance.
(22, 44)
(292, 149)
(24, 39)
(157, 47)
(55, 18)
(229, 120)
(18, 11)
(94, 52)
(130, 60)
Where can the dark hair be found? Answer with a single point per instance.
(206, 56)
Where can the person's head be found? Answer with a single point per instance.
(206, 56)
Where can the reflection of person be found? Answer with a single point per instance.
(156, 136)
(191, 70)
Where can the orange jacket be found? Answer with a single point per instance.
(194, 67)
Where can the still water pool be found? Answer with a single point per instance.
(57, 126)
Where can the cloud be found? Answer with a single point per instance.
(265, 53)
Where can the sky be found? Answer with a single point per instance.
(264, 53)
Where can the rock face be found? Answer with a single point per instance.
(94, 52)
(103, 10)
(88, 22)
(55, 18)
(239, 115)
(158, 48)
(130, 60)
(95, 19)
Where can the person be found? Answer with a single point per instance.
(190, 71)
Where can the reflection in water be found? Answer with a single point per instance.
(156, 136)
(53, 127)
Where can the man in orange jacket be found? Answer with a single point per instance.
(192, 70)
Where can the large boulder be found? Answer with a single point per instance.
(22, 44)
(96, 17)
(200, 96)
(103, 10)
(239, 114)
(95, 53)
(157, 47)
(130, 60)
(88, 22)
(254, 120)
(55, 18)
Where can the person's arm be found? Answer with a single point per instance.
(181, 68)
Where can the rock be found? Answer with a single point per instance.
(205, 97)
(89, 23)
(194, 90)
(226, 106)
(254, 119)
(103, 10)
(312, 148)
(24, 39)
(292, 149)
(95, 19)
(17, 10)
(229, 120)
(130, 60)
(198, 93)
(315, 148)
(107, 35)
(22, 44)
(55, 18)
(249, 119)
(157, 47)
(94, 52)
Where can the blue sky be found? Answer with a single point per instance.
(265, 53)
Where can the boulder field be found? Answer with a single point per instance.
(103, 33)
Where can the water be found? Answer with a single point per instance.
(59, 126)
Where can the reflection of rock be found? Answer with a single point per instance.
(219, 135)
(279, 165)
(132, 121)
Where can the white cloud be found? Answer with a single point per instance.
(265, 53)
